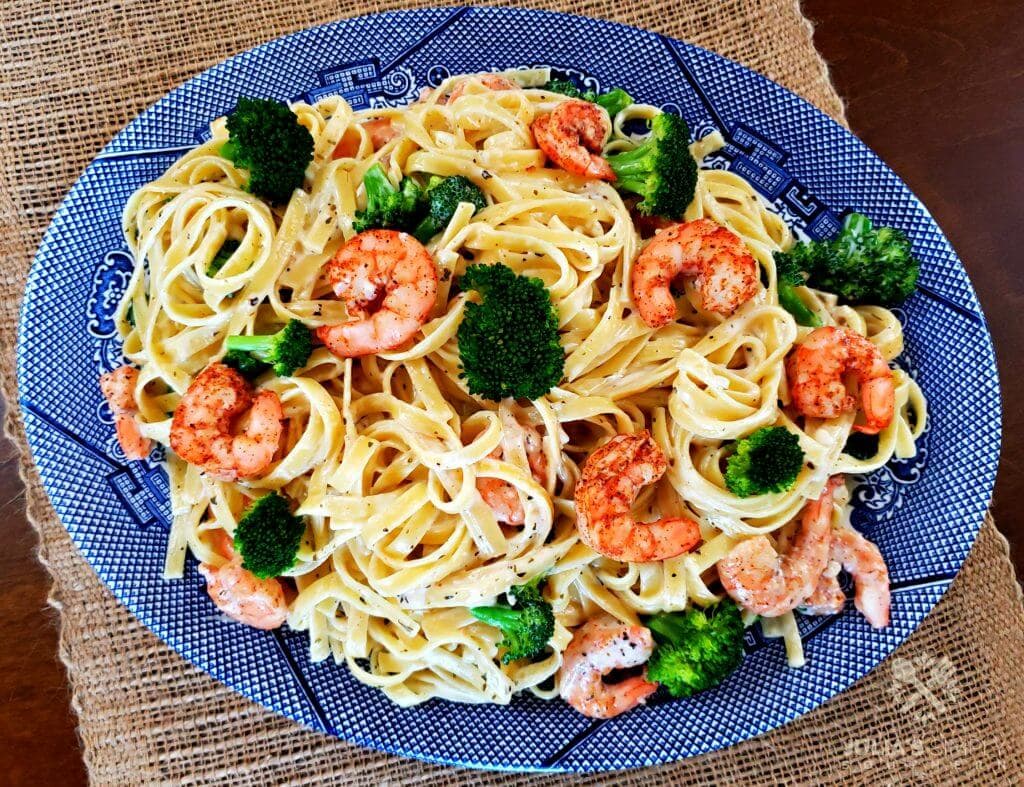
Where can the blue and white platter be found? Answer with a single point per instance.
(924, 513)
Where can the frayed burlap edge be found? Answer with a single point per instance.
(148, 717)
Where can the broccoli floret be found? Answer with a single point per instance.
(527, 627)
(862, 265)
(615, 100)
(695, 649)
(266, 139)
(509, 343)
(249, 366)
(223, 254)
(564, 86)
(661, 170)
(268, 536)
(388, 206)
(443, 196)
(788, 277)
(769, 460)
(286, 350)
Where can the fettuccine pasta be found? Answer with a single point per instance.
(381, 454)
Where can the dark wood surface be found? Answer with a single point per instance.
(935, 88)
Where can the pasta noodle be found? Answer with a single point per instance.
(382, 453)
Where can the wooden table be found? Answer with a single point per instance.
(935, 88)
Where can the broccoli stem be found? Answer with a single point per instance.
(614, 101)
(668, 628)
(229, 150)
(791, 302)
(632, 162)
(855, 227)
(377, 185)
(633, 185)
(260, 346)
(499, 617)
(426, 230)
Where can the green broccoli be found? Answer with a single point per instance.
(249, 366)
(863, 265)
(695, 649)
(286, 350)
(508, 344)
(443, 196)
(789, 277)
(266, 139)
(268, 536)
(564, 86)
(527, 627)
(661, 170)
(615, 100)
(769, 460)
(388, 206)
(223, 254)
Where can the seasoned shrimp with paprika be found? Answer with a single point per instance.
(816, 368)
(601, 645)
(609, 484)
(118, 389)
(388, 281)
(240, 594)
(222, 428)
(769, 584)
(724, 271)
(573, 135)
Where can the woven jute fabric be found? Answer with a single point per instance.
(946, 708)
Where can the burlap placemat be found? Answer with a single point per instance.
(73, 74)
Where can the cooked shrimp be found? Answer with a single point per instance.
(502, 496)
(865, 564)
(725, 272)
(118, 389)
(203, 430)
(495, 82)
(573, 135)
(380, 130)
(240, 594)
(762, 581)
(599, 646)
(610, 482)
(388, 281)
(828, 597)
(815, 372)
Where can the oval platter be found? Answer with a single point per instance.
(924, 513)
